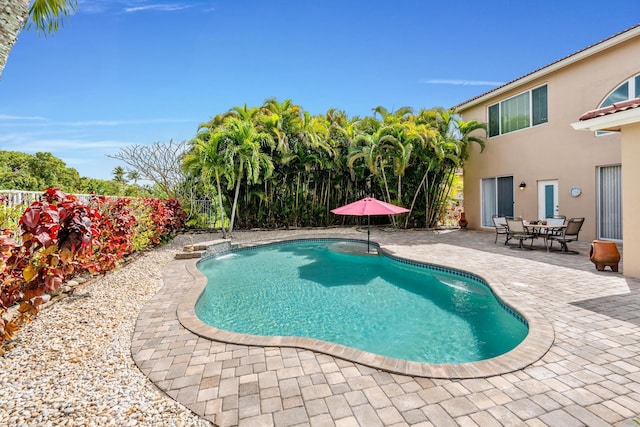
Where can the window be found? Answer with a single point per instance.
(497, 198)
(627, 90)
(620, 94)
(610, 202)
(519, 112)
(494, 120)
(514, 113)
(539, 105)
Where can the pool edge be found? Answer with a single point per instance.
(534, 346)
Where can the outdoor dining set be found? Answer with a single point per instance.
(553, 229)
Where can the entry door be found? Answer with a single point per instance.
(548, 199)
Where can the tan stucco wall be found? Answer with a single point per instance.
(554, 150)
(631, 201)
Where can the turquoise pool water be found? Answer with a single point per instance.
(331, 290)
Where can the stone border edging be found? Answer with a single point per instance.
(531, 349)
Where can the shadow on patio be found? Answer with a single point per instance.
(625, 307)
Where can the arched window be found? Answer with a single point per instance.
(627, 90)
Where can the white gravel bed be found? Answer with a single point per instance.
(72, 366)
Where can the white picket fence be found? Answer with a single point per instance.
(205, 208)
(25, 198)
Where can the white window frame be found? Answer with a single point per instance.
(486, 221)
(631, 82)
(602, 203)
(499, 104)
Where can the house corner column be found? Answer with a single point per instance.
(631, 200)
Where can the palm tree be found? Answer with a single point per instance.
(427, 155)
(392, 117)
(206, 159)
(341, 132)
(449, 146)
(378, 151)
(402, 155)
(282, 119)
(283, 166)
(360, 158)
(293, 131)
(242, 150)
(118, 174)
(45, 15)
(244, 112)
(463, 131)
(133, 175)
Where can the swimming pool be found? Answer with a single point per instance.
(325, 290)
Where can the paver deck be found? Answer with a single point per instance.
(589, 376)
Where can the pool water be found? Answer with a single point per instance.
(317, 289)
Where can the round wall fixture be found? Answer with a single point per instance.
(575, 191)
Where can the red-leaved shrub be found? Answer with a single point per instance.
(62, 237)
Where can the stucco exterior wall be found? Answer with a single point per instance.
(631, 201)
(554, 150)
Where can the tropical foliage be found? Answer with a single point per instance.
(59, 237)
(46, 16)
(36, 172)
(278, 166)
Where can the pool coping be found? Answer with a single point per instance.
(535, 345)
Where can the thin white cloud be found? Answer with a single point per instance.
(91, 6)
(9, 117)
(83, 123)
(461, 82)
(29, 144)
(159, 7)
(131, 6)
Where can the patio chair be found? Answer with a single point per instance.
(500, 223)
(517, 230)
(558, 220)
(568, 234)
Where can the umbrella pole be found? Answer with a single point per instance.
(368, 231)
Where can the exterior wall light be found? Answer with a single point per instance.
(523, 185)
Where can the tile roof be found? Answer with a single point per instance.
(611, 109)
(546, 66)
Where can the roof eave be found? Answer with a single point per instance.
(609, 122)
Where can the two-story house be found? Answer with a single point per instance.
(535, 163)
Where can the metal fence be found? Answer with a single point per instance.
(203, 212)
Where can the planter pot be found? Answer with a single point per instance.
(463, 221)
(603, 254)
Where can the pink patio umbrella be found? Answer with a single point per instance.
(369, 206)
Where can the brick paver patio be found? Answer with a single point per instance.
(590, 375)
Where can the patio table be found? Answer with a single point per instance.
(542, 230)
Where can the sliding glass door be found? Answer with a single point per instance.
(610, 202)
(497, 198)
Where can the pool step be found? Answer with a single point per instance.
(188, 254)
(196, 247)
(197, 250)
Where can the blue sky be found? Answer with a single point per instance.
(125, 72)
